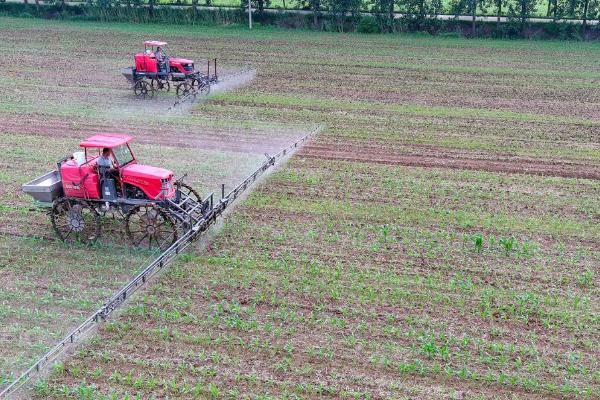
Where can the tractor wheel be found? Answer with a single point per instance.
(202, 86)
(183, 90)
(150, 226)
(187, 191)
(160, 84)
(75, 221)
(143, 89)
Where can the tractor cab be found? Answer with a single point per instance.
(82, 177)
(146, 61)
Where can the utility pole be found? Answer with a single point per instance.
(250, 14)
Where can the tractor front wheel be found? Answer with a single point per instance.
(186, 191)
(150, 226)
(184, 90)
(75, 221)
(201, 86)
(143, 89)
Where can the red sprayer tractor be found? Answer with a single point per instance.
(83, 190)
(149, 75)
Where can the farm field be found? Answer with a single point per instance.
(439, 238)
(49, 288)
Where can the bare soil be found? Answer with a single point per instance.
(435, 157)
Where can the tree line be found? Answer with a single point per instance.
(421, 12)
(345, 15)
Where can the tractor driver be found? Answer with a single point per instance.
(105, 160)
(106, 166)
(160, 58)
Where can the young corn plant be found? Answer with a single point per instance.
(508, 244)
(385, 232)
(477, 242)
(430, 348)
(586, 279)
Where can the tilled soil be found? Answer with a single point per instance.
(336, 278)
(432, 157)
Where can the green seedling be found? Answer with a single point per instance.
(477, 242)
(508, 244)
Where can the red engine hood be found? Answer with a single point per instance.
(146, 171)
(147, 178)
(175, 60)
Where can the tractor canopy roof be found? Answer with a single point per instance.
(106, 140)
(154, 43)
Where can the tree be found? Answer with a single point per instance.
(498, 4)
(314, 6)
(577, 9)
(384, 14)
(341, 9)
(562, 8)
(259, 5)
(584, 10)
(521, 10)
(151, 4)
(420, 13)
(468, 7)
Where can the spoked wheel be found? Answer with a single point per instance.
(195, 83)
(202, 86)
(187, 191)
(183, 90)
(75, 221)
(143, 89)
(150, 226)
(160, 84)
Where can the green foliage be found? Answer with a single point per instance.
(477, 240)
(42, 388)
(508, 244)
(417, 14)
(586, 278)
(341, 16)
(213, 391)
(368, 25)
(384, 14)
(522, 10)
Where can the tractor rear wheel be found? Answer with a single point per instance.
(160, 84)
(150, 226)
(75, 221)
(143, 89)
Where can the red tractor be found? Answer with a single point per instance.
(149, 75)
(84, 189)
